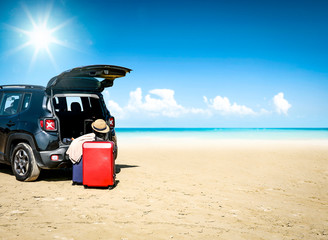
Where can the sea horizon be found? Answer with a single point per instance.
(226, 133)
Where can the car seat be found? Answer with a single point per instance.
(76, 119)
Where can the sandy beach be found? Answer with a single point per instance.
(180, 189)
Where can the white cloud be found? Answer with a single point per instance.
(135, 100)
(223, 106)
(157, 102)
(161, 102)
(115, 108)
(281, 104)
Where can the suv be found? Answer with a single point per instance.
(38, 123)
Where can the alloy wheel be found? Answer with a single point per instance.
(21, 162)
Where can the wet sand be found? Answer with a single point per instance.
(180, 189)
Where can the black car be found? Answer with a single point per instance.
(38, 123)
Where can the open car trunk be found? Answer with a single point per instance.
(76, 112)
(86, 79)
(77, 100)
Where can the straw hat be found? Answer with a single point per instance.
(100, 126)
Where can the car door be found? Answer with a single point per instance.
(9, 117)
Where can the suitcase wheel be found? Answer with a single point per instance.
(113, 186)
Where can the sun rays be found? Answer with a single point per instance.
(40, 36)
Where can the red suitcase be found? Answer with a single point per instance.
(98, 164)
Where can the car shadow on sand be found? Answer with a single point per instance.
(45, 175)
(54, 175)
(62, 174)
(65, 174)
(4, 168)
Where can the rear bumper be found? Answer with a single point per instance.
(61, 161)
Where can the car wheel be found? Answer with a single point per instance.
(23, 163)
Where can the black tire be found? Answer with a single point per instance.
(23, 163)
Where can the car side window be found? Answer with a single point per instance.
(26, 101)
(10, 103)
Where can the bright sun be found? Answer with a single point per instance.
(41, 37)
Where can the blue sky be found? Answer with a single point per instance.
(195, 63)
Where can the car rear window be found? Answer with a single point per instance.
(84, 104)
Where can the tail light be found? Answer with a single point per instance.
(111, 122)
(48, 124)
(54, 158)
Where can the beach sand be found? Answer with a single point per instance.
(180, 189)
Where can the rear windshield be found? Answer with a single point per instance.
(90, 106)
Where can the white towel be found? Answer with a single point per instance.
(75, 149)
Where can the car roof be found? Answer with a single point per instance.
(22, 87)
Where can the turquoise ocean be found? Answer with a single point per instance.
(227, 133)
